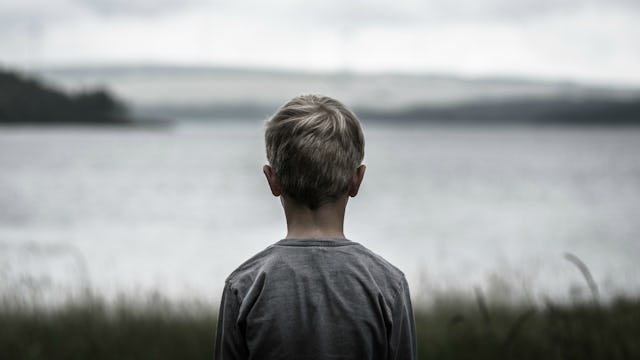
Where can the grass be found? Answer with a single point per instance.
(91, 330)
(450, 329)
(569, 331)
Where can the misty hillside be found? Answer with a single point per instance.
(24, 99)
(226, 93)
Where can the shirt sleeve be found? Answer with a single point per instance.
(403, 330)
(230, 343)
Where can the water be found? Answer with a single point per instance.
(175, 210)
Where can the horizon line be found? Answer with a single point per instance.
(519, 78)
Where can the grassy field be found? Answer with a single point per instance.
(577, 331)
(449, 329)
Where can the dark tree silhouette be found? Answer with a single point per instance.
(26, 100)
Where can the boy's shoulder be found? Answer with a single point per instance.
(250, 265)
(297, 254)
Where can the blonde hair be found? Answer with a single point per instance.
(314, 144)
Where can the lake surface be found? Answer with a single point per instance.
(175, 210)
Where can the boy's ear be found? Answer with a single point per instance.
(357, 180)
(274, 185)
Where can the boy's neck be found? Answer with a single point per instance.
(326, 221)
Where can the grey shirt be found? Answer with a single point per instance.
(316, 299)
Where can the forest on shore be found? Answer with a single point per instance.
(31, 99)
(27, 100)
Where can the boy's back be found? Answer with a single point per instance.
(315, 294)
(316, 299)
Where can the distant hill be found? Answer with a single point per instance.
(212, 93)
(25, 100)
(594, 111)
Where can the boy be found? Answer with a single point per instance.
(315, 294)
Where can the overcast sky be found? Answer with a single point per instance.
(584, 40)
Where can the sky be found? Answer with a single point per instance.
(591, 41)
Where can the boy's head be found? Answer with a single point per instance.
(315, 146)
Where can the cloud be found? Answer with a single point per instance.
(15, 13)
(582, 39)
(358, 13)
(143, 8)
(344, 13)
(516, 10)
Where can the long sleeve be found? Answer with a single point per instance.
(403, 330)
(230, 344)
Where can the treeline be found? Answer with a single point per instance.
(585, 111)
(27, 100)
